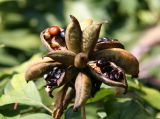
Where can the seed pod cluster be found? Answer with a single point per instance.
(78, 62)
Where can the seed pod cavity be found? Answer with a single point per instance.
(52, 42)
(98, 75)
(121, 58)
(35, 71)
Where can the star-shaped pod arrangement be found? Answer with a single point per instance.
(79, 61)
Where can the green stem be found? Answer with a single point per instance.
(48, 109)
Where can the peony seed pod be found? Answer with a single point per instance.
(120, 57)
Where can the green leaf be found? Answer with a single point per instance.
(7, 59)
(37, 116)
(123, 108)
(20, 39)
(128, 6)
(91, 110)
(20, 68)
(4, 117)
(151, 96)
(101, 95)
(22, 93)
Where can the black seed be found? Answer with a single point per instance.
(107, 69)
(121, 76)
(106, 75)
(57, 75)
(106, 39)
(100, 40)
(103, 40)
(111, 77)
(102, 62)
(55, 69)
(114, 39)
(62, 34)
(45, 76)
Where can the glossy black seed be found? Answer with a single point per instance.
(107, 69)
(57, 75)
(100, 40)
(111, 77)
(103, 40)
(52, 76)
(106, 39)
(116, 75)
(102, 62)
(114, 39)
(62, 34)
(45, 76)
(105, 74)
(121, 75)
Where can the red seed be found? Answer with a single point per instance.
(54, 30)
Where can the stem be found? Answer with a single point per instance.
(48, 109)
(83, 112)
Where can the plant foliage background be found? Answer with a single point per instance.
(134, 22)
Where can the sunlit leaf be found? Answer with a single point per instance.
(37, 116)
(151, 96)
(20, 39)
(22, 93)
(91, 110)
(4, 117)
(101, 95)
(125, 109)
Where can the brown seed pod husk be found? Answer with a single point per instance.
(108, 44)
(90, 36)
(84, 24)
(121, 58)
(80, 60)
(68, 98)
(44, 40)
(70, 74)
(73, 35)
(37, 70)
(99, 76)
(65, 57)
(63, 98)
(83, 90)
(58, 107)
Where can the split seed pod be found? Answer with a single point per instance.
(73, 35)
(52, 42)
(120, 57)
(98, 75)
(37, 70)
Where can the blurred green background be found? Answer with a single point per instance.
(134, 22)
